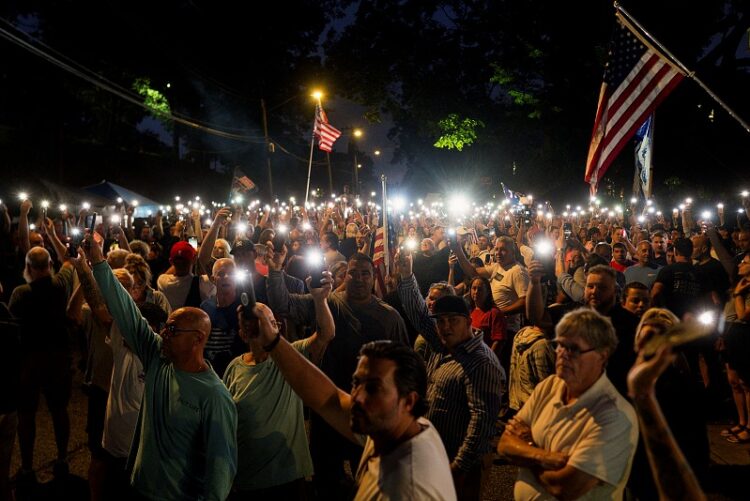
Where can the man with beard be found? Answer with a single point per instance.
(576, 435)
(360, 317)
(185, 446)
(403, 457)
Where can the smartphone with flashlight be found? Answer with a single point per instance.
(567, 230)
(278, 242)
(315, 266)
(193, 241)
(703, 325)
(76, 238)
(244, 283)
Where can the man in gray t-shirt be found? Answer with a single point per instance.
(643, 271)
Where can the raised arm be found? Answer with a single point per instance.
(414, 304)
(207, 247)
(313, 387)
(60, 249)
(326, 330)
(672, 473)
(298, 307)
(23, 226)
(133, 327)
(534, 300)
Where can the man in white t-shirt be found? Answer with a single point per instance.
(403, 456)
(182, 288)
(576, 435)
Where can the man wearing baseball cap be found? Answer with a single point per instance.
(182, 287)
(465, 380)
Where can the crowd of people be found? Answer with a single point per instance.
(208, 339)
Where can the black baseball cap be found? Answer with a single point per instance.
(242, 246)
(450, 305)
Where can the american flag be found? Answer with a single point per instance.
(326, 133)
(636, 79)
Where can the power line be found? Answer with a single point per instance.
(113, 88)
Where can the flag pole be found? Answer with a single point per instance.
(309, 163)
(690, 74)
(386, 247)
(650, 184)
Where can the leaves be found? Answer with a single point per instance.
(457, 132)
(153, 99)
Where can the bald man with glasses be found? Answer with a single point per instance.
(185, 445)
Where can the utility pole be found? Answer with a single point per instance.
(269, 147)
(330, 176)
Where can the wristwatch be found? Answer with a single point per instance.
(270, 346)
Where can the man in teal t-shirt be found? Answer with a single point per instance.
(185, 444)
(274, 457)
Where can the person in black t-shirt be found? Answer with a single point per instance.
(682, 287)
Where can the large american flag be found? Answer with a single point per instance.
(636, 79)
(325, 132)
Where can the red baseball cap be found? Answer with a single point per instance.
(182, 249)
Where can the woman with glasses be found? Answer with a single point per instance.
(142, 291)
(575, 435)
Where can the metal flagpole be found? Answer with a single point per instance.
(309, 164)
(690, 74)
(309, 168)
(386, 247)
(650, 183)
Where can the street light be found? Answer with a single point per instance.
(317, 95)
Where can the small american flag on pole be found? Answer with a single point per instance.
(637, 78)
(325, 132)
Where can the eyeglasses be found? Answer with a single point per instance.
(573, 350)
(172, 330)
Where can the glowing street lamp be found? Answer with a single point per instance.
(317, 94)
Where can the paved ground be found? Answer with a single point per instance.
(730, 463)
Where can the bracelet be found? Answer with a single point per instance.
(270, 346)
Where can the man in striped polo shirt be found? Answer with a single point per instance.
(465, 380)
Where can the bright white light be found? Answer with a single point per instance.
(458, 204)
(682, 206)
(706, 214)
(618, 208)
(169, 208)
(240, 275)
(675, 211)
(543, 248)
(372, 194)
(238, 199)
(649, 202)
(641, 219)
(611, 213)
(32, 226)
(740, 211)
(283, 228)
(23, 196)
(63, 207)
(75, 232)
(745, 193)
(314, 258)
(197, 197)
(177, 199)
(45, 204)
(650, 210)
(119, 200)
(565, 214)
(398, 203)
(549, 215)
(658, 213)
(719, 206)
(87, 205)
(114, 219)
(707, 318)
(306, 226)
(688, 201)
(241, 227)
(134, 203)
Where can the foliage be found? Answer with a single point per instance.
(457, 132)
(153, 99)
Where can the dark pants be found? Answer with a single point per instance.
(329, 450)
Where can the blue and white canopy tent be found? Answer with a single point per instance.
(112, 191)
